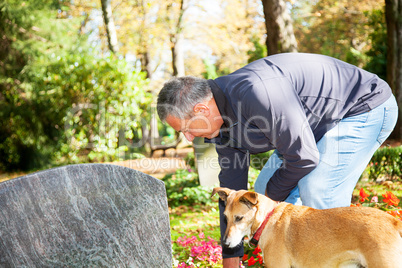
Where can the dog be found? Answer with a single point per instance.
(293, 236)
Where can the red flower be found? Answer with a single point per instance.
(363, 195)
(260, 260)
(256, 251)
(394, 213)
(390, 199)
(251, 261)
(245, 257)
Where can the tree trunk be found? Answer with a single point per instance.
(109, 23)
(177, 55)
(280, 36)
(393, 15)
(176, 40)
(146, 63)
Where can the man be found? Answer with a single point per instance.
(325, 119)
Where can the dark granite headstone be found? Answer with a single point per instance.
(90, 215)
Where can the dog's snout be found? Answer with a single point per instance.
(229, 242)
(225, 241)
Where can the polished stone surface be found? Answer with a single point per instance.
(90, 215)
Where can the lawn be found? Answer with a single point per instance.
(189, 221)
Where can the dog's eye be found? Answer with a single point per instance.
(238, 218)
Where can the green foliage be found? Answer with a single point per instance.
(378, 53)
(78, 105)
(259, 51)
(24, 36)
(258, 161)
(340, 29)
(60, 101)
(210, 69)
(183, 188)
(386, 161)
(190, 160)
(252, 177)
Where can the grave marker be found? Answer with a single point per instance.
(90, 215)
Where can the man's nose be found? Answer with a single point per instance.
(188, 136)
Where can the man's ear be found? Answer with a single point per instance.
(250, 199)
(201, 109)
(222, 192)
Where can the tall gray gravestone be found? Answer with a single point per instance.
(90, 215)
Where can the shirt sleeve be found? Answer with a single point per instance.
(279, 114)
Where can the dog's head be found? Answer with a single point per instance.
(241, 214)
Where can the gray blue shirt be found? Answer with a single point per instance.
(287, 102)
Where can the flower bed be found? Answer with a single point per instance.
(387, 202)
(191, 252)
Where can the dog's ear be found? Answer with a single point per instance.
(250, 199)
(222, 192)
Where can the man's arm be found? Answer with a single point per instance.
(280, 116)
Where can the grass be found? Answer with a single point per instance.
(189, 221)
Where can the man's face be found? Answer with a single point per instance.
(197, 126)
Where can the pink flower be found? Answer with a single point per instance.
(374, 199)
(184, 265)
(208, 251)
(205, 251)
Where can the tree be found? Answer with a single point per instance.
(109, 24)
(176, 36)
(280, 36)
(144, 53)
(60, 100)
(377, 54)
(225, 34)
(339, 29)
(393, 16)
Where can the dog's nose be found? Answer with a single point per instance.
(224, 242)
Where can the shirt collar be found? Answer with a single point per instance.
(224, 106)
(226, 111)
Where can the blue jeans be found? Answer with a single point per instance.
(345, 152)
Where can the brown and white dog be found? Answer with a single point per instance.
(300, 236)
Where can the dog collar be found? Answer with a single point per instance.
(257, 235)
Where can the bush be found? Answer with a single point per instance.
(258, 161)
(190, 161)
(387, 162)
(76, 108)
(60, 100)
(183, 188)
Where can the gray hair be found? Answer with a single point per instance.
(179, 96)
